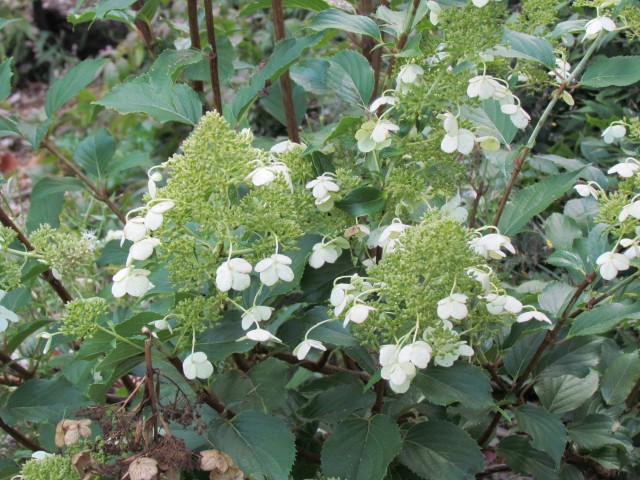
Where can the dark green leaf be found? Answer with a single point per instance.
(602, 319)
(596, 431)
(45, 400)
(461, 382)
(563, 393)
(335, 404)
(576, 356)
(363, 201)
(64, 89)
(350, 77)
(620, 377)
(613, 71)
(521, 457)
(547, 431)
(361, 449)
(6, 21)
(334, 18)
(262, 446)
(95, 153)
(5, 78)
(519, 356)
(315, 5)
(521, 45)
(438, 450)
(47, 199)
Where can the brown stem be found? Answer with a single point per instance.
(492, 426)
(328, 369)
(476, 203)
(144, 28)
(518, 162)
(19, 437)
(150, 384)
(99, 193)
(379, 389)
(18, 369)
(632, 395)
(213, 56)
(62, 292)
(285, 79)
(404, 36)
(314, 457)
(194, 33)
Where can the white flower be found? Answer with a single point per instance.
(585, 190)
(454, 352)
(453, 306)
(379, 102)
(357, 314)
(358, 230)
(49, 337)
(562, 70)
(632, 249)
(326, 203)
(626, 169)
(323, 186)
(254, 315)
(632, 209)
(596, 25)
(489, 143)
(517, 115)
(286, 146)
(382, 130)
(489, 246)
(6, 315)
(532, 315)
(275, 268)
(407, 76)
(483, 277)
(142, 250)
(339, 297)
(261, 335)
(324, 253)
(611, 263)
(497, 304)
(90, 239)
(265, 174)
(484, 87)
(162, 324)
(479, 3)
(434, 11)
(132, 281)
(302, 350)
(134, 230)
(418, 353)
(154, 177)
(196, 365)
(456, 139)
(391, 235)
(233, 273)
(399, 374)
(613, 132)
(40, 455)
(155, 215)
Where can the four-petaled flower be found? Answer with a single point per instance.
(357, 314)
(497, 304)
(407, 76)
(532, 315)
(586, 190)
(613, 132)
(197, 365)
(261, 335)
(485, 87)
(597, 25)
(134, 230)
(490, 246)
(626, 169)
(254, 315)
(611, 263)
(275, 268)
(456, 139)
(6, 315)
(418, 353)
(453, 306)
(325, 253)
(233, 273)
(630, 210)
(132, 281)
(398, 373)
(142, 250)
(302, 350)
(155, 215)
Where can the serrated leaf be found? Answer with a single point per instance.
(439, 450)
(529, 47)
(620, 377)
(95, 153)
(64, 89)
(490, 115)
(363, 201)
(6, 21)
(336, 404)
(518, 357)
(602, 319)
(596, 431)
(461, 382)
(575, 356)
(547, 431)
(561, 230)
(45, 400)
(314, 5)
(612, 71)
(334, 18)
(350, 77)
(5, 78)
(533, 200)
(521, 457)
(563, 393)
(361, 449)
(262, 446)
(568, 260)
(47, 199)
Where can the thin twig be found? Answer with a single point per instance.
(19, 437)
(285, 79)
(404, 36)
(144, 28)
(194, 33)
(99, 193)
(213, 56)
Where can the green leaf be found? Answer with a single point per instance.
(547, 431)
(47, 199)
(219, 341)
(106, 6)
(284, 54)
(555, 297)
(490, 115)
(363, 201)
(462, 382)
(612, 71)
(561, 230)
(563, 393)
(6, 21)
(315, 5)
(576, 356)
(361, 449)
(310, 75)
(334, 18)
(45, 400)
(533, 200)
(34, 133)
(336, 404)
(95, 153)
(274, 105)
(332, 333)
(602, 319)
(169, 103)
(262, 446)
(5, 78)
(8, 127)
(569, 260)
(521, 457)
(596, 431)
(64, 89)
(620, 377)
(171, 62)
(350, 77)
(439, 450)
(521, 45)
(25, 331)
(519, 356)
